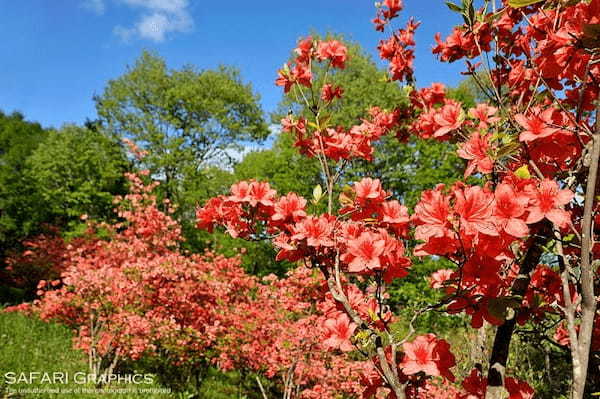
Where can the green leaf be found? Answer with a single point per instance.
(568, 237)
(317, 193)
(522, 3)
(454, 7)
(324, 121)
(471, 11)
(550, 247)
(523, 172)
(507, 149)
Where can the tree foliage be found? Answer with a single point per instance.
(183, 118)
(18, 205)
(77, 171)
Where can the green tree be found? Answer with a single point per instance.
(19, 207)
(185, 119)
(50, 177)
(76, 171)
(467, 92)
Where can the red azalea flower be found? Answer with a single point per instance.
(485, 114)
(338, 332)
(474, 206)
(547, 202)
(475, 150)
(316, 231)
(365, 252)
(304, 50)
(428, 354)
(537, 125)
(284, 80)
(261, 193)
(240, 192)
(509, 208)
(450, 117)
(334, 51)
(289, 207)
(518, 389)
(369, 190)
(439, 278)
(328, 92)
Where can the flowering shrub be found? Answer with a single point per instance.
(280, 333)
(137, 294)
(522, 241)
(44, 258)
(41, 260)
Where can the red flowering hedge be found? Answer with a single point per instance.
(137, 294)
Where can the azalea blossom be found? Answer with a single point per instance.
(429, 355)
(365, 252)
(261, 193)
(369, 190)
(329, 92)
(485, 114)
(440, 277)
(334, 51)
(449, 118)
(547, 201)
(509, 208)
(476, 151)
(316, 231)
(474, 205)
(338, 332)
(289, 207)
(537, 125)
(518, 389)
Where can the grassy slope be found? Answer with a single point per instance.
(28, 344)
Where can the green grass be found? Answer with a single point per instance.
(29, 345)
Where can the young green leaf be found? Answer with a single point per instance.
(317, 193)
(454, 7)
(523, 172)
(522, 3)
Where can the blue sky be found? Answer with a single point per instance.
(57, 54)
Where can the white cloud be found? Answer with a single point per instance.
(158, 19)
(96, 6)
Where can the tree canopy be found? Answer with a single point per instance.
(77, 171)
(184, 118)
(18, 139)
